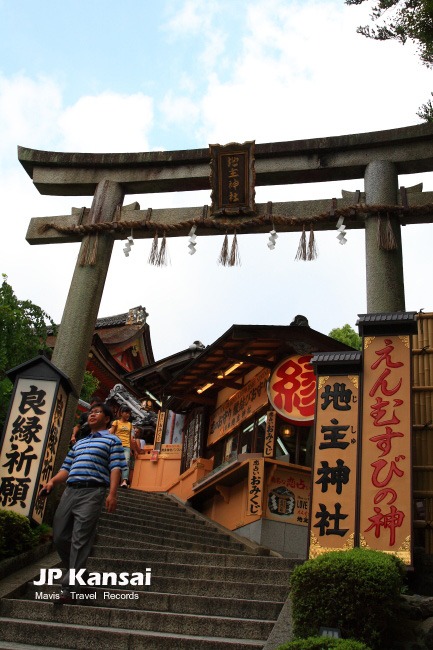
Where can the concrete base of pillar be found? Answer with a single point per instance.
(287, 539)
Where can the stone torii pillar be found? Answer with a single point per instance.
(82, 305)
(384, 269)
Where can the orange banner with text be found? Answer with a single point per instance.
(386, 508)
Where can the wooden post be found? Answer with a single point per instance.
(82, 305)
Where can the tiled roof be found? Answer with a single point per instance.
(111, 321)
(337, 357)
(387, 317)
(397, 322)
(135, 316)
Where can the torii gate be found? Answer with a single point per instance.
(378, 157)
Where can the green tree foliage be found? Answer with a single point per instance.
(403, 20)
(425, 111)
(357, 591)
(347, 335)
(16, 535)
(23, 335)
(90, 386)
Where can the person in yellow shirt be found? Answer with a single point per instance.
(123, 429)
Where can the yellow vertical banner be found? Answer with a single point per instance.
(385, 497)
(334, 482)
(270, 434)
(159, 428)
(255, 486)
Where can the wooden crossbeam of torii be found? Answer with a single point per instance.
(378, 157)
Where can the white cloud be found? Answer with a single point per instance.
(214, 49)
(197, 18)
(28, 112)
(193, 17)
(32, 114)
(303, 72)
(108, 122)
(179, 109)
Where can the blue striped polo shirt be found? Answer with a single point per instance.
(94, 457)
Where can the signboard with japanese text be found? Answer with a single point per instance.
(292, 389)
(255, 486)
(239, 407)
(269, 446)
(385, 499)
(50, 452)
(159, 429)
(288, 497)
(333, 501)
(171, 451)
(232, 179)
(24, 441)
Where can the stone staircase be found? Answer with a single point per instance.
(208, 591)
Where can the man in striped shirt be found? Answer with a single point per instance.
(93, 464)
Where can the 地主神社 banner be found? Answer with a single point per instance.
(334, 476)
(385, 497)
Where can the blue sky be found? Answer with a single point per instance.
(178, 74)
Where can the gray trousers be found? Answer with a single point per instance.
(74, 527)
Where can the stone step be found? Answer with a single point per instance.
(144, 494)
(187, 557)
(9, 645)
(175, 584)
(189, 528)
(133, 619)
(159, 537)
(160, 515)
(208, 591)
(83, 637)
(138, 496)
(190, 571)
(148, 541)
(176, 603)
(157, 511)
(147, 499)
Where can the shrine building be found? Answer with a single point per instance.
(232, 440)
(120, 344)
